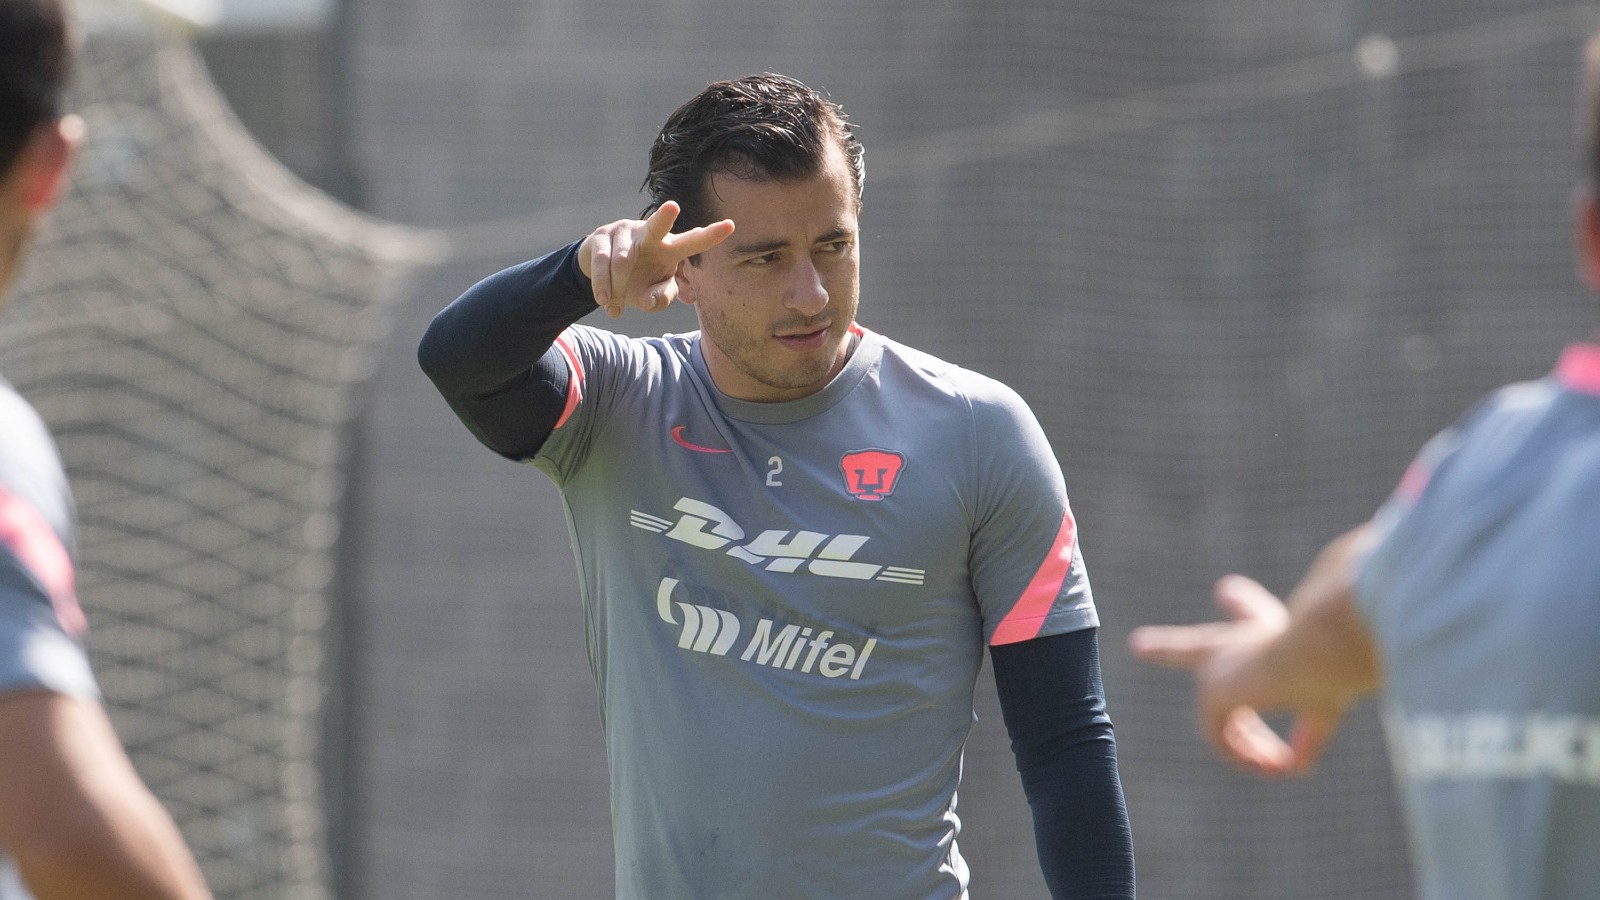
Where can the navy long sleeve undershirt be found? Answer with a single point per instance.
(491, 354)
(1054, 706)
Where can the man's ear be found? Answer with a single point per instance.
(688, 287)
(43, 165)
(1586, 235)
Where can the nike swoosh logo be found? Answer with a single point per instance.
(677, 435)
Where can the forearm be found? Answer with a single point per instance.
(489, 337)
(1054, 707)
(129, 852)
(1080, 821)
(77, 819)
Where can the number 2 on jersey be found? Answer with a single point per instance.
(776, 463)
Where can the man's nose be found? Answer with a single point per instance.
(807, 295)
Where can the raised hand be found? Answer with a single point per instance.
(1240, 672)
(634, 262)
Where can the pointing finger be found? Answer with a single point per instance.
(1245, 598)
(1178, 646)
(699, 240)
(659, 224)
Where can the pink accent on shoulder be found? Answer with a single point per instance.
(1414, 482)
(574, 380)
(1033, 607)
(1579, 368)
(35, 544)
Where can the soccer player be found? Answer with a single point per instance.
(75, 820)
(795, 536)
(1471, 601)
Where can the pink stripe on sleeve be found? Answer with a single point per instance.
(35, 544)
(574, 380)
(1033, 607)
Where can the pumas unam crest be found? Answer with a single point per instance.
(871, 474)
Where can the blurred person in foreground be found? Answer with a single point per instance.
(1471, 604)
(75, 820)
(795, 536)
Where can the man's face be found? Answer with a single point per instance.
(777, 299)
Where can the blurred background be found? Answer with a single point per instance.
(1241, 257)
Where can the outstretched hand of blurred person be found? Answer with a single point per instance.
(634, 262)
(1312, 658)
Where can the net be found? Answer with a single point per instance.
(193, 325)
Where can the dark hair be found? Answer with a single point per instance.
(757, 127)
(35, 59)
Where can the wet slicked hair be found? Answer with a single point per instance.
(759, 127)
(35, 59)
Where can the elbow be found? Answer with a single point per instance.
(433, 351)
(439, 355)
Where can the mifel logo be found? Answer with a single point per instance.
(705, 629)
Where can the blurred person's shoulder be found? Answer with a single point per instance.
(30, 468)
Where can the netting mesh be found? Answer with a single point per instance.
(191, 325)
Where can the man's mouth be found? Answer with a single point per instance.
(809, 339)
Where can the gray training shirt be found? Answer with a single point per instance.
(1484, 594)
(788, 604)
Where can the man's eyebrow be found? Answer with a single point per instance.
(755, 248)
(758, 247)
